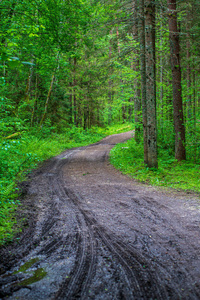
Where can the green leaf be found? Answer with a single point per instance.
(14, 64)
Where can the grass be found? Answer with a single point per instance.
(23, 153)
(128, 157)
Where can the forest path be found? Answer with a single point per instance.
(97, 234)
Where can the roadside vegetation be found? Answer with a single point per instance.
(184, 175)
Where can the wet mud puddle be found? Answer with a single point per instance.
(96, 234)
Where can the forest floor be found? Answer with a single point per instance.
(93, 233)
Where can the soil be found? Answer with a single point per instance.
(93, 233)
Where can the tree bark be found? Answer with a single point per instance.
(47, 100)
(180, 153)
(74, 93)
(123, 111)
(70, 103)
(49, 92)
(35, 102)
(110, 91)
(151, 83)
(189, 96)
(28, 86)
(136, 68)
(143, 77)
(161, 73)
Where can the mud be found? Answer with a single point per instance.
(94, 233)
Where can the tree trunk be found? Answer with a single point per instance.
(50, 91)
(118, 44)
(180, 153)
(151, 83)
(35, 102)
(143, 77)
(70, 111)
(110, 91)
(189, 96)
(70, 103)
(74, 93)
(28, 86)
(194, 115)
(123, 111)
(47, 100)
(161, 73)
(136, 67)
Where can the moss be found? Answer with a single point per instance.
(27, 265)
(38, 275)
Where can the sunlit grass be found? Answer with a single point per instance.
(128, 157)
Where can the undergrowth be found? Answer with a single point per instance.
(23, 152)
(185, 175)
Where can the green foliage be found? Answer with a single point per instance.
(185, 175)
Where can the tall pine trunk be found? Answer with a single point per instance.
(180, 153)
(74, 94)
(151, 83)
(189, 96)
(161, 74)
(143, 76)
(136, 68)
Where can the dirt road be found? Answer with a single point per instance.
(96, 234)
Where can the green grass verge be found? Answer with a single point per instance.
(128, 157)
(25, 152)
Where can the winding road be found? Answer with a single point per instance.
(94, 233)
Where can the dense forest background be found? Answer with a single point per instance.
(69, 68)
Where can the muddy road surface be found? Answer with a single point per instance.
(93, 233)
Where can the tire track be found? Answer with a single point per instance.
(131, 261)
(148, 284)
(77, 283)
